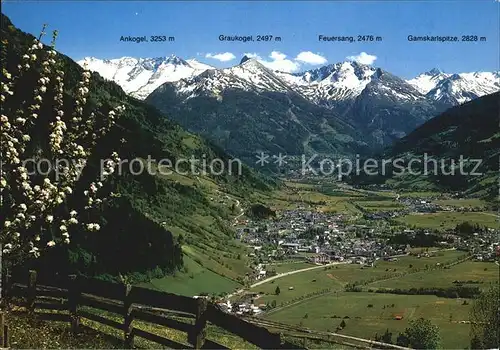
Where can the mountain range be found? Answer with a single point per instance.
(336, 82)
(247, 109)
(342, 108)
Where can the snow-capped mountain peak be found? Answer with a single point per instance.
(425, 82)
(140, 76)
(249, 75)
(334, 82)
(198, 65)
(458, 88)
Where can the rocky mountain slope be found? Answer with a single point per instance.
(248, 109)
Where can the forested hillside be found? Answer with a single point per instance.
(152, 219)
(470, 131)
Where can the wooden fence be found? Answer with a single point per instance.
(74, 299)
(135, 303)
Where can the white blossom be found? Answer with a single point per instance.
(73, 141)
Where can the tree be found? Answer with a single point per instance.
(421, 334)
(39, 128)
(476, 343)
(485, 319)
(342, 324)
(402, 340)
(387, 337)
(277, 291)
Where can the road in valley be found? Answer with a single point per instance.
(294, 272)
(239, 291)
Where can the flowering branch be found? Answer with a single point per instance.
(36, 209)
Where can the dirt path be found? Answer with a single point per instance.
(329, 275)
(241, 211)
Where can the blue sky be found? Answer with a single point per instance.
(94, 29)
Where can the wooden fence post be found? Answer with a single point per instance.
(198, 334)
(280, 339)
(2, 332)
(73, 299)
(275, 341)
(7, 289)
(128, 318)
(6, 335)
(31, 296)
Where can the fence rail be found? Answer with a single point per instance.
(129, 303)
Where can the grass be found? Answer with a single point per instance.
(207, 237)
(195, 281)
(28, 333)
(340, 205)
(421, 194)
(364, 321)
(485, 272)
(466, 203)
(350, 273)
(448, 220)
(337, 276)
(296, 194)
(387, 205)
(300, 185)
(280, 268)
(31, 333)
(302, 284)
(422, 250)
